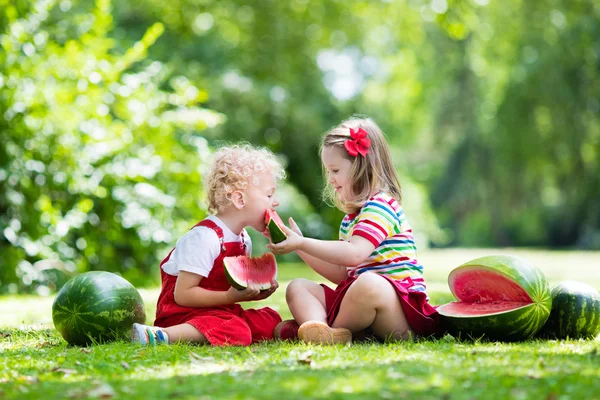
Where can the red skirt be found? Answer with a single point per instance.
(422, 317)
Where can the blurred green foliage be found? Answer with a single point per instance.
(108, 113)
(101, 157)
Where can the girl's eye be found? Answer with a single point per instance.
(335, 171)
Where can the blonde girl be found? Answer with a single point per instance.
(380, 286)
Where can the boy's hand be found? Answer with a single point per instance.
(248, 294)
(293, 242)
(263, 294)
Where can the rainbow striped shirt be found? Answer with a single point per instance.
(382, 221)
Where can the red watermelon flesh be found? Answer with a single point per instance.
(488, 290)
(244, 271)
(471, 309)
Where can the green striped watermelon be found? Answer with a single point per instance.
(499, 297)
(575, 312)
(96, 307)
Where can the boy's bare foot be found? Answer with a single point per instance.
(320, 333)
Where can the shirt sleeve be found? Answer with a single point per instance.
(248, 242)
(375, 222)
(196, 251)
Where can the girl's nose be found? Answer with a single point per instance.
(275, 201)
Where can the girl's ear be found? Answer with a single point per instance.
(237, 198)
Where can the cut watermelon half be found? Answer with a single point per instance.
(244, 271)
(499, 297)
(274, 224)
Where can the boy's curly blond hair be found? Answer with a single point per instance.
(234, 168)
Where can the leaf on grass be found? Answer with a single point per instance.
(305, 358)
(4, 335)
(197, 358)
(66, 371)
(86, 350)
(104, 391)
(29, 378)
(125, 365)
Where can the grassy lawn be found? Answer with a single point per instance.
(36, 363)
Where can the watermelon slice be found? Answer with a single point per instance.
(499, 297)
(575, 312)
(243, 271)
(274, 224)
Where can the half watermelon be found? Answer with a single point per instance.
(499, 297)
(243, 271)
(274, 224)
(575, 312)
(96, 307)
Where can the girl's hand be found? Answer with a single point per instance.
(266, 293)
(247, 294)
(293, 242)
(295, 227)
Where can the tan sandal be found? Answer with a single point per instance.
(320, 333)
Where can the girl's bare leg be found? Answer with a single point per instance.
(306, 300)
(371, 301)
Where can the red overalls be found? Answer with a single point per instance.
(224, 325)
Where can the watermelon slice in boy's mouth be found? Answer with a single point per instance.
(273, 225)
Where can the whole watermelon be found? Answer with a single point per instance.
(96, 307)
(575, 312)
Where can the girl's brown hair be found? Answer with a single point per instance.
(368, 174)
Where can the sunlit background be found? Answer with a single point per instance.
(109, 112)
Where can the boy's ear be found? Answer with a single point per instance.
(237, 198)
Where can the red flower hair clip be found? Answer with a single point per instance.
(358, 144)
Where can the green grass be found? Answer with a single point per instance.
(36, 363)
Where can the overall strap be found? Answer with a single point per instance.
(207, 223)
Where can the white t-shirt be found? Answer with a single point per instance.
(197, 250)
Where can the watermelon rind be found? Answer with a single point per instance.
(230, 264)
(275, 231)
(521, 323)
(277, 235)
(97, 307)
(231, 278)
(575, 312)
